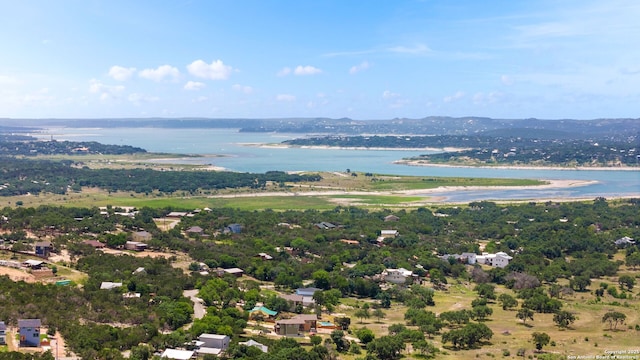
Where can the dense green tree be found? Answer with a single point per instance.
(386, 347)
(540, 339)
(486, 291)
(365, 335)
(564, 318)
(580, 283)
(337, 337)
(508, 301)
(627, 281)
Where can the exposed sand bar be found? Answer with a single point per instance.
(551, 184)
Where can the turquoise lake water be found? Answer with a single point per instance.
(239, 157)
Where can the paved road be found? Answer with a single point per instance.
(198, 305)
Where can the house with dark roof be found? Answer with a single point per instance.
(43, 248)
(296, 325)
(233, 228)
(94, 243)
(325, 225)
(194, 230)
(29, 330)
(391, 218)
(296, 301)
(3, 333)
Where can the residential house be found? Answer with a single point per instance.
(194, 230)
(389, 233)
(296, 325)
(237, 272)
(213, 344)
(307, 291)
(135, 245)
(625, 241)
(108, 285)
(265, 256)
(464, 258)
(43, 248)
(350, 242)
(141, 236)
(177, 354)
(176, 214)
(3, 333)
(397, 276)
(288, 327)
(253, 343)
(33, 264)
(391, 218)
(233, 228)
(94, 244)
(296, 301)
(325, 225)
(499, 259)
(262, 312)
(29, 330)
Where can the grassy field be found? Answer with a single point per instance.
(587, 336)
(299, 196)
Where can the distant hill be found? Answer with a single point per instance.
(614, 129)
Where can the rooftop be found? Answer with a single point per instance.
(33, 323)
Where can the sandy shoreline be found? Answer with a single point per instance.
(516, 167)
(552, 184)
(327, 147)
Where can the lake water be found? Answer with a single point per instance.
(239, 157)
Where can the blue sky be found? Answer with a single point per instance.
(363, 59)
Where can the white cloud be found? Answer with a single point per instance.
(243, 89)
(457, 96)
(194, 85)
(360, 67)
(138, 99)
(120, 73)
(160, 73)
(306, 70)
(217, 70)
(387, 95)
(105, 91)
(284, 72)
(285, 97)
